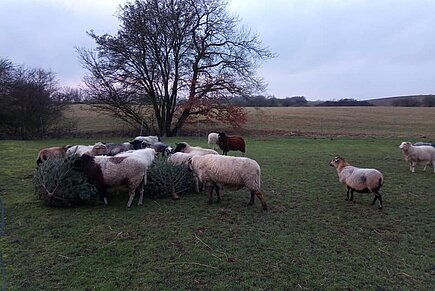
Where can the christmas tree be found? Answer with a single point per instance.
(166, 179)
(61, 183)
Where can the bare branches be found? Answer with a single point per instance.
(168, 51)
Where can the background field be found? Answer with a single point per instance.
(356, 121)
(310, 238)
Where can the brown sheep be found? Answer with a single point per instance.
(51, 154)
(231, 142)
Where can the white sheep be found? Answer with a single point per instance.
(212, 140)
(79, 150)
(414, 155)
(361, 180)
(233, 173)
(146, 156)
(184, 147)
(122, 169)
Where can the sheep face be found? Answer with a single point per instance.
(99, 149)
(405, 146)
(168, 151)
(137, 144)
(221, 135)
(336, 162)
(180, 147)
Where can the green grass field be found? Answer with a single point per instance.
(310, 238)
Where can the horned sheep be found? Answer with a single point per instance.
(361, 180)
(414, 155)
(230, 172)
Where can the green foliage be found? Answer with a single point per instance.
(166, 179)
(59, 183)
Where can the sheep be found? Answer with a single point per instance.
(141, 142)
(51, 153)
(148, 140)
(122, 169)
(361, 180)
(213, 138)
(424, 144)
(79, 150)
(231, 172)
(113, 149)
(415, 155)
(184, 147)
(231, 142)
(162, 148)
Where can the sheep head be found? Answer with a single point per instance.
(338, 162)
(404, 146)
(179, 147)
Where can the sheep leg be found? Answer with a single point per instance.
(130, 199)
(347, 194)
(263, 201)
(380, 201)
(210, 196)
(378, 196)
(218, 194)
(351, 194)
(140, 196)
(251, 201)
(374, 199)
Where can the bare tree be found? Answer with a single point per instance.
(171, 60)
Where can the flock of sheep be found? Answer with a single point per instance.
(111, 165)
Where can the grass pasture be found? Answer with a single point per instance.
(310, 238)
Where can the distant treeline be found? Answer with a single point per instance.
(426, 101)
(296, 101)
(345, 102)
(264, 101)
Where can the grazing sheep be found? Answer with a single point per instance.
(96, 150)
(415, 155)
(213, 138)
(148, 140)
(107, 171)
(424, 144)
(231, 172)
(162, 148)
(231, 142)
(52, 153)
(358, 179)
(114, 149)
(184, 147)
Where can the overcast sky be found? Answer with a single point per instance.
(326, 49)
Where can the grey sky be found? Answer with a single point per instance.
(326, 49)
